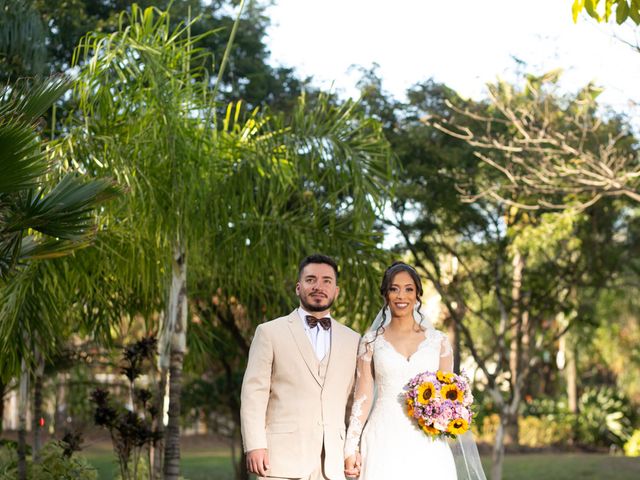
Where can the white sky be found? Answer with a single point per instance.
(462, 43)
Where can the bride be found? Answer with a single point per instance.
(382, 442)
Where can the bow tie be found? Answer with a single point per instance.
(325, 322)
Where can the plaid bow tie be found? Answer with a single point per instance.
(325, 322)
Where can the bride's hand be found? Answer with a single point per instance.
(352, 466)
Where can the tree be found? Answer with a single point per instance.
(61, 216)
(625, 9)
(52, 30)
(43, 217)
(551, 254)
(22, 41)
(554, 152)
(207, 192)
(502, 273)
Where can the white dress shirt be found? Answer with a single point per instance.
(319, 337)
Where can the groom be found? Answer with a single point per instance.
(298, 381)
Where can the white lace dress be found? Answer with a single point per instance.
(391, 444)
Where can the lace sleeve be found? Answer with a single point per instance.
(446, 354)
(362, 395)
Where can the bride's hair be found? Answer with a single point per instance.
(385, 286)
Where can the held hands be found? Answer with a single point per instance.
(258, 461)
(352, 466)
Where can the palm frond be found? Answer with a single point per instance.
(21, 158)
(66, 212)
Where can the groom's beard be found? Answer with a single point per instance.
(308, 307)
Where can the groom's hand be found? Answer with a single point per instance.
(258, 461)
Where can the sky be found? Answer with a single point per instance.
(462, 43)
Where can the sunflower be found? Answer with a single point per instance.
(452, 392)
(428, 429)
(458, 426)
(426, 391)
(409, 407)
(444, 377)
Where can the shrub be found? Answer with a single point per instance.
(632, 447)
(544, 431)
(132, 431)
(57, 462)
(535, 432)
(605, 417)
(8, 462)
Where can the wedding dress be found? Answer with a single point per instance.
(392, 445)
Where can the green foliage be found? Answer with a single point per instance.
(605, 417)
(22, 40)
(42, 216)
(601, 11)
(536, 432)
(8, 462)
(55, 464)
(543, 236)
(324, 167)
(133, 431)
(632, 446)
(616, 341)
(250, 77)
(79, 386)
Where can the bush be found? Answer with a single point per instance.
(8, 462)
(545, 407)
(55, 464)
(544, 431)
(632, 447)
(605, 418)
(535, 432)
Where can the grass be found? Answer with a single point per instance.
(215, 465)
(570, 466)
(212, 465)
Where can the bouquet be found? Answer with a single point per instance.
(440, 403)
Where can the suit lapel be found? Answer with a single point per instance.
(304, 345)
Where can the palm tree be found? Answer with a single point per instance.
(208, 193)
(42, 216)
(22, 40)
(38, 220)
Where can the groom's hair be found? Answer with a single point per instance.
(318, 258)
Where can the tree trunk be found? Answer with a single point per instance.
(572, 375)
(511, 434)
(240, 466)
(23, 405)
(454, 338)
(177, 320)
(3, 386)
(498, 452)
(172, 441)
(60, 407)
(234, 405)
(36, 427)
(511, 430)
(158, 447)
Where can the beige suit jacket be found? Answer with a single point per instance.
(287, 408)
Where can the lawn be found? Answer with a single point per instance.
(195, 466)
(215, 465)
